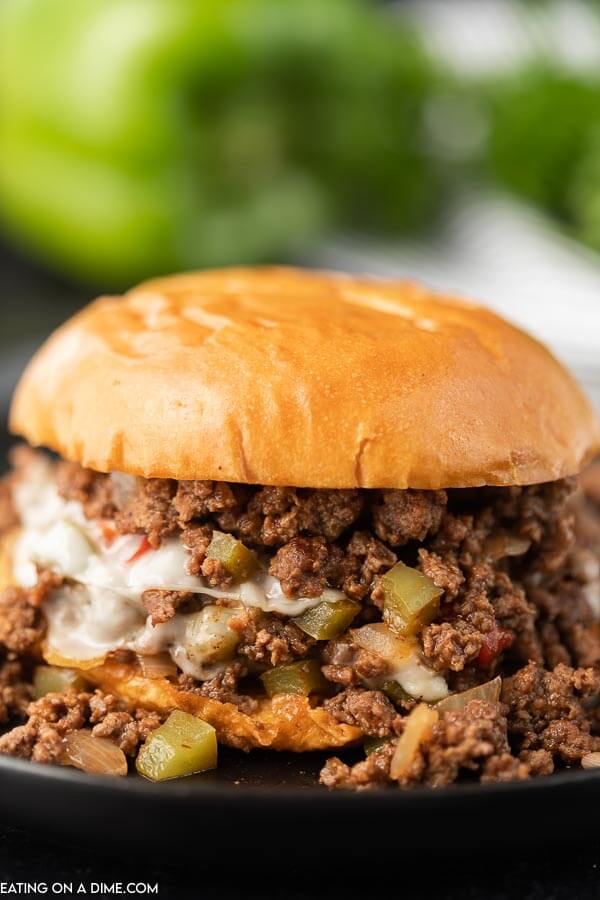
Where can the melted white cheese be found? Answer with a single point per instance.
(102, 610)
(87, 623)
(419, 680)
(193, 640)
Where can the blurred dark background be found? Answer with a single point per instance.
(33, 302)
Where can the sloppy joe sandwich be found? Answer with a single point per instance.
(300, 511)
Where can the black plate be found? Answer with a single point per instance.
(277, 795)
(273, 798)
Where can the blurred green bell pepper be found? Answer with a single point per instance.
(141, 136)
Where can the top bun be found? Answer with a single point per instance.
(288, 377)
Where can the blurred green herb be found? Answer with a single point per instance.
(141, 136)
(543, 140)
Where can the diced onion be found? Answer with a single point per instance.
(405, 664)
(584, 565)
(208, 637)
(159, 665)
(489, 691)
(380, 639)
(96, 756)
(591, 761)
(500, 545)
(417, 729)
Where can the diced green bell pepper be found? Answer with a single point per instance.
(410, 599)
(297, 678)
(395, 692)
(240, 562)
(54, 679)
(328, 620)
(183, 745)
(372, 745)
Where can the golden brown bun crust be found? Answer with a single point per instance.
(286, 377)
(287, 722)
(6, 567)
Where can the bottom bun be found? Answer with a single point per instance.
(285, 722)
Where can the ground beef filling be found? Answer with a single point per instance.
(520, 574)
(52, 717)
(470, 741)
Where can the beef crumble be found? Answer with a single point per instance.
(223, 687)
(348, 664)
(268, 640)
(473, 739)
(54, 716)
(92, 489)
(150, 511)
(402, 516)
(546, 710)
(22, 624)
(371, 711)
(371, 772)
(196, 499)
(261, 516)
(15, 689)
(196, 538)
(162, 605)
(365, 559)
(520, 574)
(306, 566)
(273, 516)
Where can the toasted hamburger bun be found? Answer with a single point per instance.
(287, 377)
